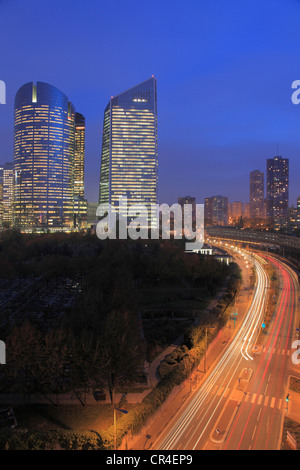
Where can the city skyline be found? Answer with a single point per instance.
(49, 163)
(222, 107)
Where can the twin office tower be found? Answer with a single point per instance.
(49, 153)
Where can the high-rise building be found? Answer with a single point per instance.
(256, 194)
(278, 191)
(129, 161)
(216, 210)
(80, 204)
(1, 196)
(298, 212)
(6, 194)
(79, 155)
(44, 144)
(292, 219)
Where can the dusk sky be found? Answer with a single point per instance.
(224, 72)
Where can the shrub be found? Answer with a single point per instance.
(19, 439)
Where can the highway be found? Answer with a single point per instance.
(258, 423)
(241, 402)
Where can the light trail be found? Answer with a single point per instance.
(282, 345)
(258, 392)
(221, 375)
(276, 328)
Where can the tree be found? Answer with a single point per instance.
(21, 373)
(122, 351)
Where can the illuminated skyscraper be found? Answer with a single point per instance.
(6, 194)
(278, 191)
(298, 212)
(256, 194)
(44, 143)
(80, 204)
(79, 155)
(129, 161)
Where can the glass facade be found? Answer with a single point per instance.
(6, 194)
(129, 161)
(44, 143)
(80, 204)
(79, 155)
(278, 191)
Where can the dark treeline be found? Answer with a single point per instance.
(97, 340)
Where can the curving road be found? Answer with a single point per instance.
(258, 424)
(241, 403)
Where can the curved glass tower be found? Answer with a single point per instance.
(129, 161)
(44, 143)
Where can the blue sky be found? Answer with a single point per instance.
(224, 71)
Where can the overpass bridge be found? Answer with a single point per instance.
(287, 244)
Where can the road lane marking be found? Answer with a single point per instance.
(280, 403)
(253, 397)
(259, 414)
(272, 402)
(259, 399)
(266, 401)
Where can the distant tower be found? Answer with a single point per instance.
(278, 191)
(129, 162)
(43, 158)
(256, 194)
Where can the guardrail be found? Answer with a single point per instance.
(255, 237)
